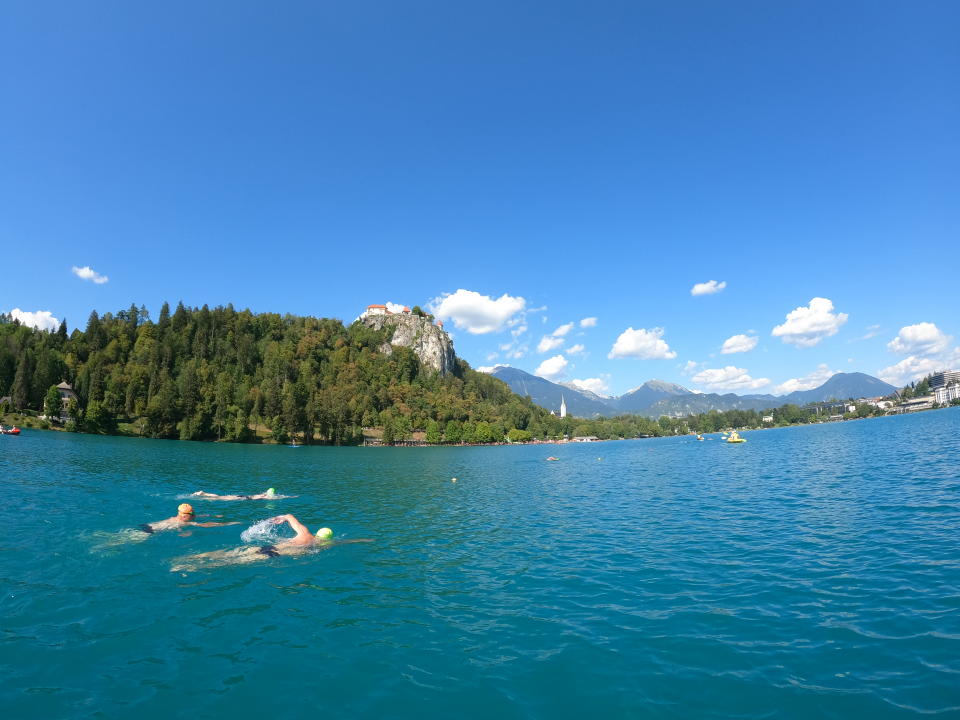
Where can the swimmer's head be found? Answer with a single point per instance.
(270, 492)
(185, 509)
(324, 534)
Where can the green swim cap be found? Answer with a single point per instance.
(324, 533)
(271, 491)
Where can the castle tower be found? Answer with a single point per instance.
(563, 407)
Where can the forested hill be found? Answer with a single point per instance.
(203, 374)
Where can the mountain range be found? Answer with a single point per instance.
(655, 397)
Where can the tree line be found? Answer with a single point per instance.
(222, 374)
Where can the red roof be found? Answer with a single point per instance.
(376, 306)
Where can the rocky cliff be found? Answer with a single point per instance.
(430, 343)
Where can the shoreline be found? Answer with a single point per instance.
(25, 422)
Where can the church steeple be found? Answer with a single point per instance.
(563, 407)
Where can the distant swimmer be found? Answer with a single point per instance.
(184, 517)
(269, 494)
(303, 542)
(551, 458)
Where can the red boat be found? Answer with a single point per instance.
(9, 431)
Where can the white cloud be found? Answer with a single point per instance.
(395, 307)
(916, 367)
(518, 331)
(807, 326)
(808, 382)
(490, 368)
(562, 330)
(477, 314)
(689, 367)
(927, 349)
(548, 343)
(729, 378)
(911, 368)
(594, 385)
(41, 319)
(707, 288)
(575, 349)
(552, 368)
(920, 339)
(872, 331)
(588, 322)
(643, 344)
(738, 344)
(88, 273)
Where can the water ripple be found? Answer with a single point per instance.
(814, 574)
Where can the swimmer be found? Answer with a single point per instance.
(303, 542)
(552, 458)
(269, 494)
(184, 517)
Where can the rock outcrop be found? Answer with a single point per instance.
(430, 343)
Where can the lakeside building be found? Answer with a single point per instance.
(67, 394)
(946, 394)
(944, 378)
(921, 403)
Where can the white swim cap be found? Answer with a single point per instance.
(324, 534)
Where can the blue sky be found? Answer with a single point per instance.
(512, 165)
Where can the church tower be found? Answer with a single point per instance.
(563, 407)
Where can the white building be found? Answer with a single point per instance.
(377, 310)
(946, 394)
(767, 418)
(920, 403)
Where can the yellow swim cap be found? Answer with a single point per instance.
(185, 509)
(324, 534)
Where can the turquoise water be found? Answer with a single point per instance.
(811, 572)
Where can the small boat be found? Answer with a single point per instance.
(735, 438)
(9, 431)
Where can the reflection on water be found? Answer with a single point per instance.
(810, 572)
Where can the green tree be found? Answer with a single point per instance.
(518, 436)
(453, 432)
(483, 433)
(433, 435)
(52, 404)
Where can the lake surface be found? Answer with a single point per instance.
(810, 572)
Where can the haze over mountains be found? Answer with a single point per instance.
(655, 398)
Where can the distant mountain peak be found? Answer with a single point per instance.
(656, 397)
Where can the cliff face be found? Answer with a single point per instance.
(430, 343)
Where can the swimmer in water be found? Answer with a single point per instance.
(303, 542)
(269, 494)
(184, 517)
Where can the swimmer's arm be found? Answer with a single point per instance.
(298, 527)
